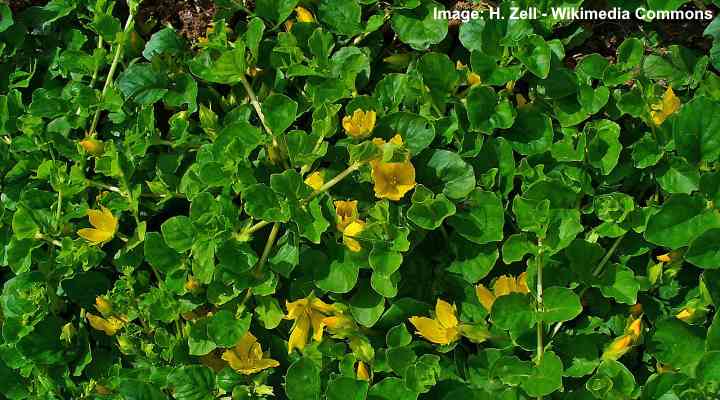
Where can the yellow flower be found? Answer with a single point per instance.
(360, 124)
(192, 284)
(503, 285)
(668, 257)
(105, 227)
(303, 15)
(108, 325)
(393, 179)
(665, 108)
(396, 140)
(686, 314)
(473, 79)
(339, 325)
(362, 372)
(307, 313)
(103, 305)
(618, 347)
(351, 232)
(288, 25)
(622, 344)
(315, 180)
(93, 146)
(346, 212)
(247, 356)
(443, 329)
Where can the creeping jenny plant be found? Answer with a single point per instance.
(358, 199)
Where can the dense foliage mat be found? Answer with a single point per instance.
(350, 199)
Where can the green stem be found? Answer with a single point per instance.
(111, 73)
(540, 307)
(334, 181)
(329, 184)
(256, 105)
(266, 251)
(607, 256)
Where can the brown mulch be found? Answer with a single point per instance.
(190, 17)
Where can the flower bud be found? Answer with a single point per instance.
(93, 146)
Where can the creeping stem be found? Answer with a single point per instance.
(111, 73)
(540, 345)
(268, 247)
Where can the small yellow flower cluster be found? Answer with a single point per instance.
(309, 312)
(443, 329)
(392, 179)
(622, 344)
(247, 356)
(108, 323)
(503, 285)
(349, 223)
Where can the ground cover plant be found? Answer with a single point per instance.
(350, 199)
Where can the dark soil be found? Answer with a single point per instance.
(19, 5)
(190, 17)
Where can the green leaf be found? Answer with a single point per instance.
(560, 304)
(704, 250)
(483, 220)
(366, 306)
(417, 27)
(195, 382)
(450, 168)
(228, 68)
(225, 330)
(678, 344)
(546, 377)
(159, 254)
(695, 130)
(438, 73)
(24, 225)
(391, 389)
(302, 381)
(143, 84)
(179, 233)
(164, 41)
(342, 16)
(680, 220)
(280, 112)
(513, 312)
(630, 52)
(534, 53)
(276, 11)
(263, 203)
(344, 388)
(417, 132)
(398, 336)
(532, 132)
(604, 147)
(428, 211)
(708, 369)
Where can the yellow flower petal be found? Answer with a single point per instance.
(315, 180)
(303, 15)
(95, 236)
(666, 107)
(296, 308)
(522, 286)
(430, 329)
(322, 306)
(110, 325)
(393, 180)
(346, 212)
(362, 372)
(445, 314)
(618, 348)
(635, 328)
(93, 146)
(247, 356)
(360, 124)
(486, 297)
(685, 314)
(102, 305)
(504, 285)
(102, 220)
(352, 231)
(316, 320)
(473, 79)
(299, 333)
